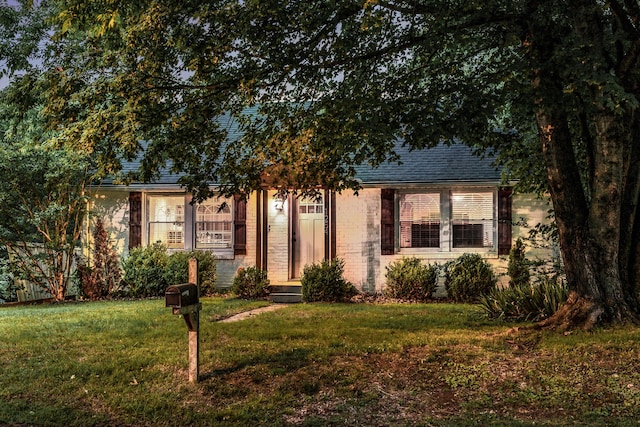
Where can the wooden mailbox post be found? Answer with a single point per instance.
(184, 299)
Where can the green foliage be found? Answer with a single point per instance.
(180, 77)
(530, 302)
(408, 278)
(250, 283)
(42, 208)
(149, 270)
(518, 266)
(468, 277)
(177, 270)
(100, 278)
(325, 282)
(145, 272)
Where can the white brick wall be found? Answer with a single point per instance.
(358, 237)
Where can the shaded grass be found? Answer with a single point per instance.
(125, 363)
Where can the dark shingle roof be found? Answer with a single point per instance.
(441, 164)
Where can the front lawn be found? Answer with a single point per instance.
(125, 363)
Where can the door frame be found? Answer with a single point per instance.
(329, 241)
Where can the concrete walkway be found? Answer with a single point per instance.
(247, 314)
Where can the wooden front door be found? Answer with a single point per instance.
(308, 233)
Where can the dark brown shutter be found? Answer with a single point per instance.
(387, 217)
(504, 220)
(239, 225)
(135, 219)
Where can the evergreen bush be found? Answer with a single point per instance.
(518, 266)
(177, 270)
(250, 283)
(468, 277)
(325, 282)
(144, 272)
(408, 278)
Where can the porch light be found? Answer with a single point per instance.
(278, 203)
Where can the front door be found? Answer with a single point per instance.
(308, 233)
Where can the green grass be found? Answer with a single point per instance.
(125, 363)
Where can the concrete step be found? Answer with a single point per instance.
(285, 293)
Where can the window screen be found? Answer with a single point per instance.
(420, 220)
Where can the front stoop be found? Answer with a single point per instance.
(285, 293)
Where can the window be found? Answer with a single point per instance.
(472, 220)
(445, 220)
(166, 221)
(217, 225)
(420, 220)
(214, 228)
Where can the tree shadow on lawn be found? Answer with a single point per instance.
(279, 363)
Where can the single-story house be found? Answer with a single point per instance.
(435, 205)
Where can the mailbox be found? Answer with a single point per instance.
(179, 296)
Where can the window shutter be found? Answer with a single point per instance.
(135, 219)
(504, 220)
(387, 218)
(239, 225)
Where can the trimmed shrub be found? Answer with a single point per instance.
(408, 278)
(144, 272)
(468, 277)
(518, 267)
(533, 302)
(325, 282)
(250, 283)
(177, 270)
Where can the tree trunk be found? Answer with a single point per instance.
(589, 228)
(594, 205)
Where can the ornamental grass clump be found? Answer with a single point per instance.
(533, 302)
(469, 277)
(250, 283)
(410, 279)
(325, 282)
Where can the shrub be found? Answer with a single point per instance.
(177, 270)
(518, 267)
(468, 277)
(103, 276)
(532, 302)
(408, 278)
(250, 283)
(144, 272)
(325, 282)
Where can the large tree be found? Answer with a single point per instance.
(553, 85)
(42, 193)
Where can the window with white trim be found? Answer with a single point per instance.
(446, 220)
(214, 224)
(420, 220)
(472, 219)
(173, 221)
(167, 221)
